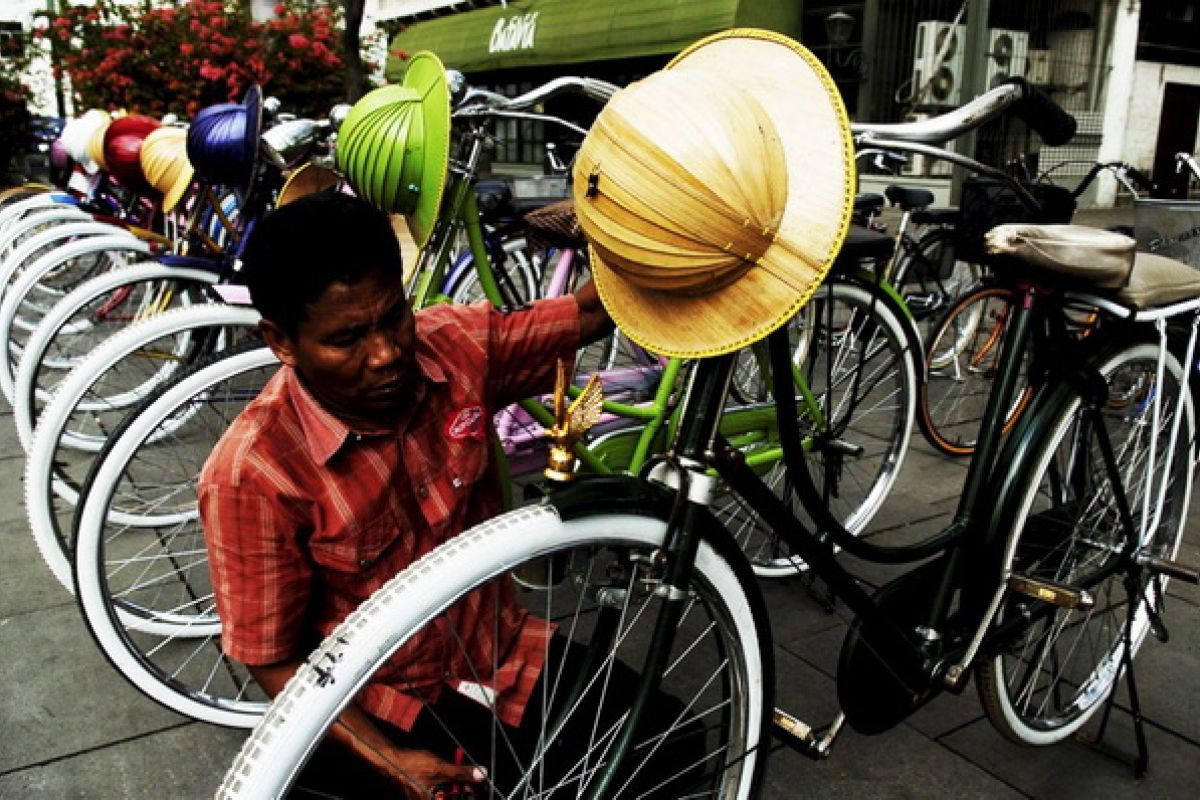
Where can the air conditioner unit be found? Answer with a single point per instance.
(1007, 55)
(1038, 71)
(938, 63)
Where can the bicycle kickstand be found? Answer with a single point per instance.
(1135, 592)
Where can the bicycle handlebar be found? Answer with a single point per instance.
(475, 101)
(1055, 125)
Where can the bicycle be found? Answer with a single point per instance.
(964, 346)
(870, 339)
(643, 553)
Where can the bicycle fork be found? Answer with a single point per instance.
(684, 468)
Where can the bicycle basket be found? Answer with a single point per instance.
(1169, 228)
(987, 203)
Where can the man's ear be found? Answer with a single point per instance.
(278, 340)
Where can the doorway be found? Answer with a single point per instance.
(1176, 134)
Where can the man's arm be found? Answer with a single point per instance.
(594, 321)
(417, 771)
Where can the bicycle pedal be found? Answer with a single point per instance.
(1172, 569)
(802, 737)
(1056, 594)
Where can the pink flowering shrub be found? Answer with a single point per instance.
(188, 54)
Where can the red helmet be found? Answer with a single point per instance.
(122, 150)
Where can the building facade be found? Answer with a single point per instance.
(1128, 69)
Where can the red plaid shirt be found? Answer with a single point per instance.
(306, 518)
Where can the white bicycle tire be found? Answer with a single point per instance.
(10, 237)
(15, 211)
(35, 346)
(39, 478)
(101, 617)
(270, 759)
(35, 272)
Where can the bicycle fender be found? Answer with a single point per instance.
(609, 493)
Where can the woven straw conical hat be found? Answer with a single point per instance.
(165, 162)
(716, 193)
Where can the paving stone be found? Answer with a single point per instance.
(184, 763)
(59, 695)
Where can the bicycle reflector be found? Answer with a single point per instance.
(165, 164)
(222, 142)
(394, 146)
(122, 150)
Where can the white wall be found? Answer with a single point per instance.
(1145, 107)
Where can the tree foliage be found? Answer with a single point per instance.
(182, 55)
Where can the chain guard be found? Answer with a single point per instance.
(879, 680)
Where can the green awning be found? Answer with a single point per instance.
(529, 33)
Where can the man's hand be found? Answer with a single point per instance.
(418, 772)
(594, 321)
(421, 774)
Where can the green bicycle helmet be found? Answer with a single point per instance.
(394, 146)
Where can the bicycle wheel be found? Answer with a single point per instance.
(593, 577)
(143, 584)
(516, 276)
(43, 221)
(89, 315)
(931, 278)
(77, 421)
(45, 281)
(961, 360)
(1059, 504)
(861, 371)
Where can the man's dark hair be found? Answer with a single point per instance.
(295, 252)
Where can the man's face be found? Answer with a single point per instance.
(354, 349)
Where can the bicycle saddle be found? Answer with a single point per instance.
(908, 199)
(1101, 258)
(862, 243)
(1104, 259)
(556, 224)
(867, 201)
(936, 216)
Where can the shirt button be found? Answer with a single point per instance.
(423, 492)
(364, 562)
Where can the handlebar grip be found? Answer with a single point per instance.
(1053, 123)
(601, 91)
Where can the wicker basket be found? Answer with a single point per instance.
(988, 203)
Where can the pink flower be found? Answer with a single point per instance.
(187, 48)
(298, 41)
(211, 72)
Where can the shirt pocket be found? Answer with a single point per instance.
(358, 548)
